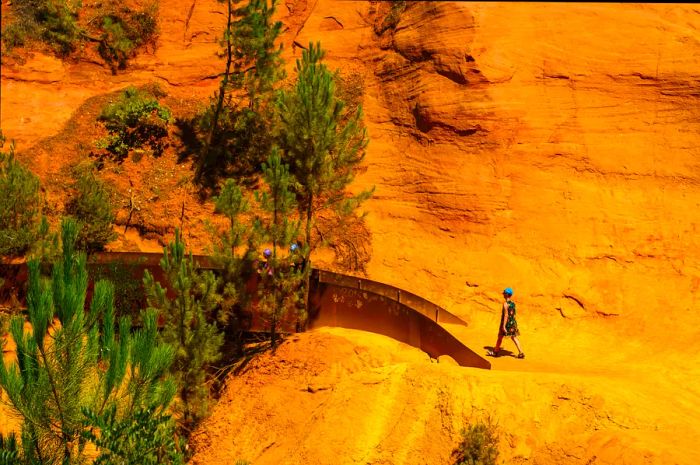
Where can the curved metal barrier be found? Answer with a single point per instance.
(335, 300)
(413, 301)
(349, 302)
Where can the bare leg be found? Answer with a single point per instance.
(497, 347)
(517, 344)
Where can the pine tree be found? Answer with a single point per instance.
(322, 145)
(232, 203)
(279, 202)
(236, 263)
(187, 326)
(19, 204)
(93, 210)
(241, 126)
(73, 362)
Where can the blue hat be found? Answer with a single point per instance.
(508, 291)
(267, 252)
(293, 247)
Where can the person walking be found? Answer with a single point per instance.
(508, 325)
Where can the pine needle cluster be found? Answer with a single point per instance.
(76, 365)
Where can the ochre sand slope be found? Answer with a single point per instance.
(338, 396)
(552, 149)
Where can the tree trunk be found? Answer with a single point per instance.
(222, 92)
(307, 265)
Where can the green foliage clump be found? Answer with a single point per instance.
(9, 450)
(135, 121)
(187, 326)
(235, 261)
(53, 21)
(120, 30)
(19, 204)
(14, 35)
(128, 288)
(147, 437)
(59, 27)
(124, 31)
(239, 140)
(323, 146)
(93, 210)
(478, 446)
(280, 284)
(77, 360)
(239, 132)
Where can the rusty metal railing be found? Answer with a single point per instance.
(413, 301)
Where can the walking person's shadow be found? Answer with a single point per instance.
(501, 353)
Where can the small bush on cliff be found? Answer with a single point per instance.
(479, 445)
(52, 21)
(124, 31)
(93, 210)
(119, 30)
(135, 121)
(19, 204)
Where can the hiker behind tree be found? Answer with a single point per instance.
(295, 257)
(508, 325)
(266, 266)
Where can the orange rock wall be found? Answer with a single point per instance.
(554, 150)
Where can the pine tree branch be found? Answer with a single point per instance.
(59, 404)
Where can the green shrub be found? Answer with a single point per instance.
(479, 445)
(92, 208)
(120, 32)
(87, 362)
(129, 294)
(19, 205)
(134, 121)
(9, 450)
(59, 27)
(52, 21)
(146, 437)
(124, 31)
(115, 45)
(187, 327)
(15, 35)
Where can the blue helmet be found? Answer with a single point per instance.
(293, 248)
(267, 253)
(508, 291)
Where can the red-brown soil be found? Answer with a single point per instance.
(551, 148)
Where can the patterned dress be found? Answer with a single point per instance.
(511, 323)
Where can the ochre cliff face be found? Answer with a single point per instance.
(551, 148)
